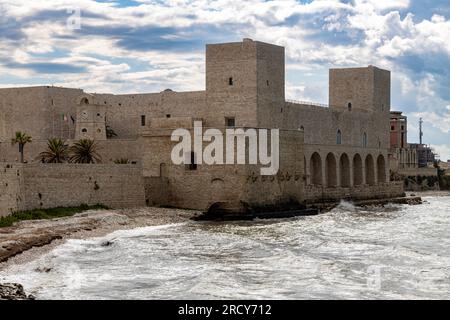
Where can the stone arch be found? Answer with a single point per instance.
(330, 170)
(370, 170)
(381, 169)
(84, 100)
(315, 166)
(344, 168)
(216, 190)
(357, 170)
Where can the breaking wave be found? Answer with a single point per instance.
(395, 252)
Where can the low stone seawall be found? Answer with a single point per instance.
(384, 190)
(429, 172)
(31, 186)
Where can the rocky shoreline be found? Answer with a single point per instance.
(14, 291)
(26, 240)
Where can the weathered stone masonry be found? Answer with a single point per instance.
(335, 151)
(33, 186)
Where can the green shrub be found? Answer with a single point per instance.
(122, 161)
(38, 214)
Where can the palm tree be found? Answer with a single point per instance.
(84, 151)
(21, 139)
(122, 161)
(57, 151)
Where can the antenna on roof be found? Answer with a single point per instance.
(420, 130)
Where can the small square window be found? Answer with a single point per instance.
(168, 116)
(392, 128)
(230, 122)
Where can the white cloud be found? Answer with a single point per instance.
(441, 122)
(443, 151)
(384, 4)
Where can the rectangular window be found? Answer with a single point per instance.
(230, 122)
(230, 81)
(392, 128)
(143, 120)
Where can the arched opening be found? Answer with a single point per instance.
(316, 169)
(216, 189)
(330, 168)
(349, 106)
(381, 169)
(357, 170)
(370, 174)
(344, 165)
(218, 210)
(339, 137)
(364, 142)
(84, 101)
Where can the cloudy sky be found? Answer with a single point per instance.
(128, 46)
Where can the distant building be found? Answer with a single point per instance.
(425, 154)
(399, 125)
(401, 156)
(408, 159)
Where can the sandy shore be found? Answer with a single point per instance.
(28, 240)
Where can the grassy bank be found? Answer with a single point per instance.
(38, 214)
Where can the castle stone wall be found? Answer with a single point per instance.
(31, 186)
(38, 111)
(381, 191)
(11, 185)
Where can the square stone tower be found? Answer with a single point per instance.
(364, 89)
(245, 81)
(90, 122)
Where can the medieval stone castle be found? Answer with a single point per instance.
(326, 153)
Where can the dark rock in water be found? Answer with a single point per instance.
(43, 269)
(107, 243)
(13, 291)
(282, 209)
